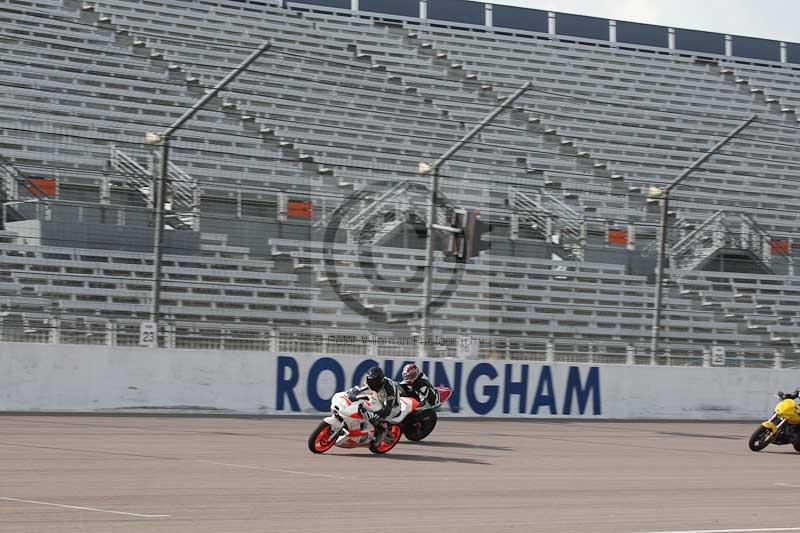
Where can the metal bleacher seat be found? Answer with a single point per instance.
(340, 102)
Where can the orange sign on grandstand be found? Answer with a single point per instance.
(618, 236)
(42, 186)
(780, 246)
(300, 209)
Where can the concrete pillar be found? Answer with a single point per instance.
(273, 340)
(111, 333)
(55, 330)
(169, 335)
(778, 359)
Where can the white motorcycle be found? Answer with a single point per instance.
(348, 427)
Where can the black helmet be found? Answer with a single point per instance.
(375, 378)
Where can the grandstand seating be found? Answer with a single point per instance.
(343, 101)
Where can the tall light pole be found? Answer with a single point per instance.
(162, 140)
(662, 193)
(433, 170)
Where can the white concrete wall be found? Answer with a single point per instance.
(83, 378)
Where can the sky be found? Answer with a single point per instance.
(769, 19)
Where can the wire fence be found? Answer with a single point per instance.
(209, 336)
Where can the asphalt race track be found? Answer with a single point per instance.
(225, 475)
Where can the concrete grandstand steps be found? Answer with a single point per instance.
(583, 159)
(745, 306)
(476, 50)
(247, 121)
(99, 157)
(326, 168)
(772, 102)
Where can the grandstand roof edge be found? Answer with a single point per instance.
(359, 12)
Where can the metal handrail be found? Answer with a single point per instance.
(687, 241)
(17, 175)
(548, 210)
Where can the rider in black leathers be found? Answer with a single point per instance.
(416, 385)
(387, 392)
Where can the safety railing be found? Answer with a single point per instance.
(726, 230)
(55, 329)
(183, 200)
(555, 221)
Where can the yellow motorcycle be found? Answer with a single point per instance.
(782, 428)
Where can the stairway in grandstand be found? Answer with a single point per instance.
(9, 185)
(182, 202)
(751, 79)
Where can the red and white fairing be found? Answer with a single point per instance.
(348, 426)
(357, 430)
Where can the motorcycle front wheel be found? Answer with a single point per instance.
(760, 439)
(389, 441)
(321, 439)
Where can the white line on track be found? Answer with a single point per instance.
(756, 530)
(86, 508)
(786, 485)
(252, 467)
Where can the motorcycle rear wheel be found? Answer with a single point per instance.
(760, 439)
(321, 439)
(418, 427)
(390, 440)
(796, 446)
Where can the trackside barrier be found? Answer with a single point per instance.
(104, 379)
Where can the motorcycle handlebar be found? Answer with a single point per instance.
(787, 395)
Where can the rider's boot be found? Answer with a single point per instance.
(380, 430)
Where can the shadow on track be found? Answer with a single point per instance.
(423, 458)
(782, 452)
(699, 435)
(462, 445)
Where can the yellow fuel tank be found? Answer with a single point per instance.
(787, 409)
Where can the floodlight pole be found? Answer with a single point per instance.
(663, 195)
(163, 140)
(433, 170)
